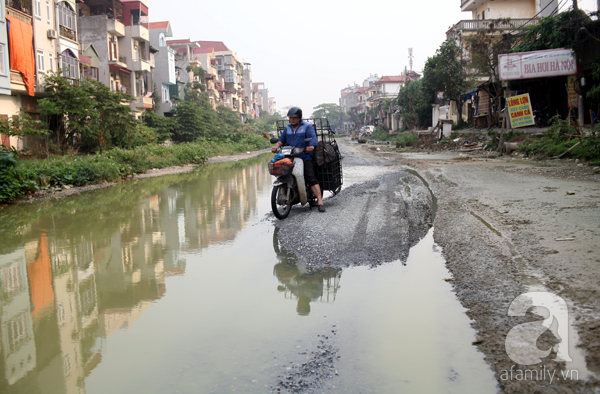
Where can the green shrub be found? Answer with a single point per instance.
(133, 161)
(559, 138)
(20, 177)
(10, 185)
(407, 139)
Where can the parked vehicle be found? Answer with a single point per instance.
(367, 130)
(289, 188)
(541, 117)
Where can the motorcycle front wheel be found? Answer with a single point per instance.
(281, 201)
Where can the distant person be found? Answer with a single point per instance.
(294, 134)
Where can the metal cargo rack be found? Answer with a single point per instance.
(321, 126)
(330, 173)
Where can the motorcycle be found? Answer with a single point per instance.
(541, 117)
(289, 188)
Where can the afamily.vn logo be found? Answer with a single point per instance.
(521, 341)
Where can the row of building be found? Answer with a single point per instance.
(481, 102)
(372, 103)
(114, 42)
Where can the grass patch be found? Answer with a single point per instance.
(559, 138)
(28, 176)
(401, 139)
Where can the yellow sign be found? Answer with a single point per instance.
(573, 98)
(519, 108)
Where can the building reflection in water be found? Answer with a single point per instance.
(97, 261)
(299, 284)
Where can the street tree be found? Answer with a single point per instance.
(23, 125)
(446, 72)
(557, 31)
(87, 116)
(117, 125)
(72, 107)
(484, 47)
(164, 126)
(228, 120)
(195, 117)
(265, 122)
(415, 102)
(332, 112)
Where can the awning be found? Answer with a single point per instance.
(114, 67)
(470, 94)
(85, 59)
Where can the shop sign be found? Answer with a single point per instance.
(538, 64)
(519, 108)
(572, 93)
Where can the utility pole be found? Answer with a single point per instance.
(575, 6)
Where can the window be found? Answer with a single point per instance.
(69, 65)
(40, 61)
(11, 277)
(136, 51)
(2, 64)
(38, 9)
(230, 76)
(51, 59)
(48, 11)
(17, 332)
(66, 17)
(162, 41)
(165, 93)
(112, 49)
(90, 72)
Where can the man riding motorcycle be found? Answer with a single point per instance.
(294, 134)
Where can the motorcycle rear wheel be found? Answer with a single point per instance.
(539, 122)
(281, 203)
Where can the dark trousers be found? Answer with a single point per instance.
(309, 173)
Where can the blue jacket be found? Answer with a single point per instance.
(304, 130)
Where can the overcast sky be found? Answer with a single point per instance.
(307, 51)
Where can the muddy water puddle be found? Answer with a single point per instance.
(175, 285)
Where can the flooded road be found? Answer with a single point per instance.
(177, 284)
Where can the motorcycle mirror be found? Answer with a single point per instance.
(274, 140)
(307, 139)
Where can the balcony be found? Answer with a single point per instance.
(195, 61)
(141, 65)
(121, 62)
(115, 27)
(478, 24)
(470, 5)
(142, 102)
(21, 15)
(140, 32)
(24, 6)
(68, 33)
(17, 84)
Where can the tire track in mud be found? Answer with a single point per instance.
(366, 224)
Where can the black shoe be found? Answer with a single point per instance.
(321, 208)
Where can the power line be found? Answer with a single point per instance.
(554, 12)
(536, 15)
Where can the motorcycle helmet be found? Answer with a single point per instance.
(294, 112)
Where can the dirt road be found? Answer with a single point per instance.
(506, 228)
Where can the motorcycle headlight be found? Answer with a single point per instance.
(297, 151)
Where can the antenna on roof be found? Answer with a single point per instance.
(410, 58)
